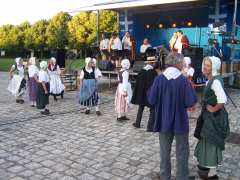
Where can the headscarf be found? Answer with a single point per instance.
(17, 60)
(32, 60)
(187, 61)
(94, 61)
(43, 65)
(53, 59)
(88, 60)
(125, 64)
(216, 65)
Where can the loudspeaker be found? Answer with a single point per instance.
(196, 55)
(61, 57)
(138, 65)
(106, 65)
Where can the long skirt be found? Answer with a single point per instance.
(42, 98)
(56, 85)
(207, 154)
(32, 88)
(122, 102)
(88, 94)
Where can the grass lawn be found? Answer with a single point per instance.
(76, 64)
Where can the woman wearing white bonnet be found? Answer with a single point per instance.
(88, 94)
(32, 82)
(43, 89)
(124, 91)
(17, 85)
(188, 70)
(212, 125)
(56, 85)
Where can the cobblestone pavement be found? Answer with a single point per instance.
(70, 145)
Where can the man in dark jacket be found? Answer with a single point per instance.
(144, 81)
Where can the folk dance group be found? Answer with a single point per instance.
(169, 96)
(40, 83)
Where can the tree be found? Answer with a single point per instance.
(57, 31)
(108, 21)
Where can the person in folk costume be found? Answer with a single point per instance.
(88, 95)
(33, 72)
(187, 70)
(17, 85)
(173, 41)
(124, 91)
(144, 81)
(56, 85)
(43, 88)
(98, 76)
(182, 42)
(212, 125)
(172, 94)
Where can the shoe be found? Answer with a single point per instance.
(125, 118)
(55, 99)
(98, 113)
(21, 101)
(45, 112)
(87, 111)
(17, 100)
(119, 119)
(62, 96)
(215, 177)
(135, 125)
(32, 105)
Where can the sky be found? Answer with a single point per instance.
(18, 11)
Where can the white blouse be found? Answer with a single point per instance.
(43, 76)
(127, 44)
(97, 73)
(20, 70)
(33, 70)
(219, 91)
(104, 44)
(116, 44)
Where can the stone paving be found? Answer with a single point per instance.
(69, 145)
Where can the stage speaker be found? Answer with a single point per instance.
(138, 65)
(106, 65)
(61, 53)
(196, 55)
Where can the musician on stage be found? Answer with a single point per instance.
(173, 40)
(115, 48)
(129, 46)
(104, 44)
(181, 43)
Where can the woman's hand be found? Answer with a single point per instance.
(211, 108)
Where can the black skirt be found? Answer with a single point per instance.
(42, 98)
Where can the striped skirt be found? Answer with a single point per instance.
(32, 88)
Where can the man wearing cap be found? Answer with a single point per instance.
(171, 94)
(144, 81)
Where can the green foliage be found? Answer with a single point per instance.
(57, 30)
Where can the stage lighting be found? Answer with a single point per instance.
(160, 25)
(174, 25)
(189, 23)
(147, 26)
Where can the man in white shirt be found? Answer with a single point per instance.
(104, 44)
(144, 46)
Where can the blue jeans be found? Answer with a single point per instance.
(182, 154)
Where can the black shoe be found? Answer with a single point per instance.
(135, 125)
(61, 95)
(98, 113)
(45, 112)
(87, 111)
(215, 177)
(125, 118)
(21, 101)
(32, 105)
(17, 100)
(119, 119)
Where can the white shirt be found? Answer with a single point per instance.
(148, 67)
(116, 44)
(56, 72)
(188, 72)
(43, 76)
(218, 91)
(33, 70)
(104, 44)
(97, 73)
(144, 47)
(20, 70)
(178, 44)
(127, 44)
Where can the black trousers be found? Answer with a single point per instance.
(151, 117)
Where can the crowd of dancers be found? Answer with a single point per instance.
(169, 95)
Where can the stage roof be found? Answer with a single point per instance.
(129, 4)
